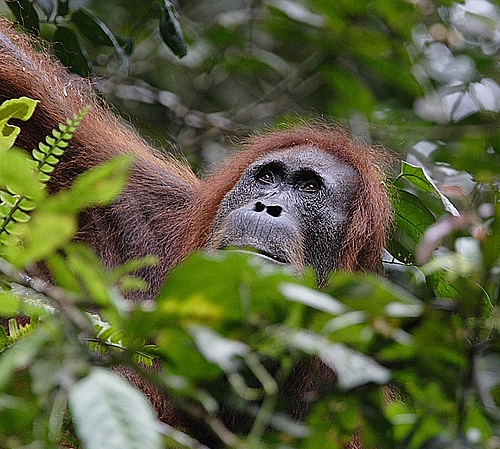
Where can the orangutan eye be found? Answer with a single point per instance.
(310, 186)
(266, 177)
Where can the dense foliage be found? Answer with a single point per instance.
(419, 77)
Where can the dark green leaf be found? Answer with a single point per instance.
(352, 368)
(26, 14)
(70, 51)
(98, 32)
(418, 177)
(92, 28)
(171, 31)
(62, 7)
(127, 43)
(412, 219)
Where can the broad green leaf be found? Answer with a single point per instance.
(90, 271)
(17, 175)
(374, 296)
(39, 237)
(108, 412)
(312, 298)
(96, 187)
(18, 108)
(298, 12)
(420, 179)
(92, 28)
(21, 355)
(181, 355)
(223, 289)
(353, 94)
(411, 221)
(352, 368)
(9, 303)
(224, 352)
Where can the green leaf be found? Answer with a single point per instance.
(17, 175)
(352, 368)
(224, 352)
(178, 348)
(109, 412)
(411, 221)
(90, 272)
(98, 32)
(96, 187)
(21, 355)
(39, 237)
(312, 298)
(25, 12)
(71, 52)
(171, 31)
(223, 289)
(18, 108)
(92, 28)
(420, 179)
(9, 303)
(374, 296)
(62, 7)
(352, 93)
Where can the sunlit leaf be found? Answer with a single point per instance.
(39, 237)
(18, 108)
(109, 412)
(98, 186)
(352, 368)
(217, 349)
(312, 298)
(22, 181)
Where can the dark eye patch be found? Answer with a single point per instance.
(308, 181)
(269, 173)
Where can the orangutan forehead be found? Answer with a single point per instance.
(311, 157)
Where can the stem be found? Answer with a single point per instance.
(8, 218)
(271, 388)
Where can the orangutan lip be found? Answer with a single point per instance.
(264, 255)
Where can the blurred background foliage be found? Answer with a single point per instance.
(415, 76)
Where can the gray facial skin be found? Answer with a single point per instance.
(292, 207)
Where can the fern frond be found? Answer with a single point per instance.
(49, 152)
(15, 208)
